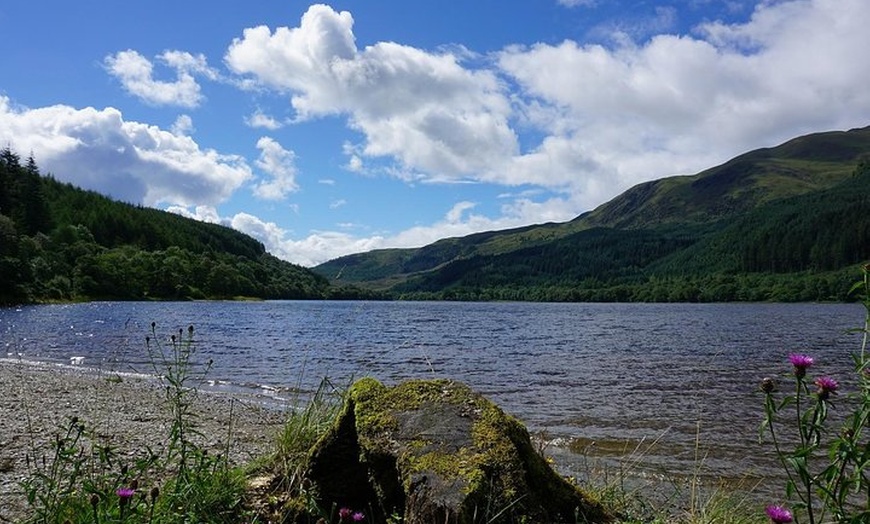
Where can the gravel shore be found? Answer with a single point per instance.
(37, 401)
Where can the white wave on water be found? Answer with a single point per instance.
(74, 365)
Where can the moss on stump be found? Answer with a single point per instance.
(435, 451)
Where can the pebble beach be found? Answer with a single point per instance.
(128, 412)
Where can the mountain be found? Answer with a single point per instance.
(58, 242)
(779, 223)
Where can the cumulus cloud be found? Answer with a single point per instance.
(135, 162)
(258, 119)
(455, 214)
(183, 125)
(136, 74)
(278, 163)
(319, 246)
(680, 103)
(423, 109)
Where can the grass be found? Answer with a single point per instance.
(81, 477)
(617, 476)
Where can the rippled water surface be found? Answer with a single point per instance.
(619, 375)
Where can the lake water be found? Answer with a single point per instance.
(663, 384)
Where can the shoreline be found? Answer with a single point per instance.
(39, 400)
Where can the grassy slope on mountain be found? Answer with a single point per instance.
(799, 166)
(58, 242)
(790, 243)
(671, 215)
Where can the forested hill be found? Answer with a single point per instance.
(58, 242)
(786, 223)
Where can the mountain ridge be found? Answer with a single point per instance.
(678, 211)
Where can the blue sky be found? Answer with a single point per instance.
(330, 129)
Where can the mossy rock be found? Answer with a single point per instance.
(435, 451)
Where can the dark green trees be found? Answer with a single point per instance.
(58, 242)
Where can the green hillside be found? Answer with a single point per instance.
(58, 242)
(781, 223)
(799, 166)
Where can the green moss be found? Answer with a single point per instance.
(441, 428)
(491, 455)
(376, 405)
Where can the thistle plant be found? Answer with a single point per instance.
(203, 484)
(827, 469)
(81, 479)
(181, 377)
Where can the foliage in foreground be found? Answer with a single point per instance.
(83, 480)
(828, 469)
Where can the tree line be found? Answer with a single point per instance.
(61, 243)
(804, 248)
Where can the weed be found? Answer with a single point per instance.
(828, 473)
(83, 479)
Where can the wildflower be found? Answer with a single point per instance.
(155, 492)
(358, 517)
(767, 385)
(779, 515)
(125, 494)
(800, 363)
(826, 386)
(344, 513)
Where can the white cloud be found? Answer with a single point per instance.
(201, 213)
(269, 233)
(183, 125)
(423, 109)
(319, 246)
(131, 161)
(136, 74)
(258, 119)
(678, 104)
(455, 214)
(335, 204)
(279, 164)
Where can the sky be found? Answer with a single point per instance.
(329, 129)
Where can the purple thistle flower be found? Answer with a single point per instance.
(358, 516)
(826, 386)
(344, 513)
(779, 515)
(125, 494)
(800, 363)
